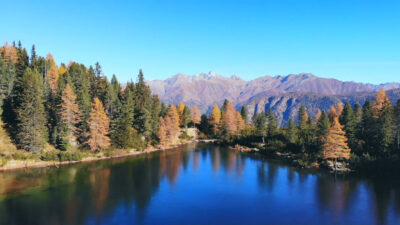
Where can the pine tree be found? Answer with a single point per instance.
(383, 113)
(70, 118)
(291, 131)
(31, 115)
(303, 127)
(186, 116)
(34, 58)
(99, 127)
(349, 121)
(357, 113)
(272, 123)
(9, 53)
(204, 126)
(260, 122)
(397, 118)
(323, 125)
(215, 119)
(142, 112)
(196, 116)
(367, 129)
(244, 113)
(335, 145)
(7, 79)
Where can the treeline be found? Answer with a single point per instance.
(356, 133)
(76, 107)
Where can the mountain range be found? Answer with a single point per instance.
(283, 94)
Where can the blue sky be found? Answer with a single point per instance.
(347, 40)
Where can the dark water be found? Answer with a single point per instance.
(194, 184)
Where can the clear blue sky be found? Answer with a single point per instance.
(347, 40)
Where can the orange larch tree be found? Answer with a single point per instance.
(229, 118)
(52, 73)
(162, 132)
(215, 118)
(99, 127)
(180, 109)
(172, 124)
(196, 116)
(240, 123)
(381, 103)
(9, 52)
(335, 144)
(70, 115)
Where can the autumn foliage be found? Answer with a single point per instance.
(335, 144)
(196, 116)
(99, 127)
(52, 73)
(70, 115)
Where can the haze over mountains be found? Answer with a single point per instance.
(283, 94)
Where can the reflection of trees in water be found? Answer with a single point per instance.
(196, 160)
(215, 159)
(266, 173)
(335, 195)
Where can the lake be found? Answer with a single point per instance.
(194, 184)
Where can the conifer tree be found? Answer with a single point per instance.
(142, 112)
(240, 123)
(172, 124)
(244, 113)
(272, 123)
(349, 121)
(303, 126)
(99, 127)
(260, 122)
(52, 73)
(7, 79)
(291, 131)
(162, 132)
(215, 119)
(196, 116)
(229, 118)
(357, 113)
(180, 108)
(367, 129)
(204, 126)
(186, 116)
(335, 145)
(31, 115)
(70, 118)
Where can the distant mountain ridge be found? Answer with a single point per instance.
(207, 89)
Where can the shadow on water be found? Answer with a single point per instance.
(164, 187)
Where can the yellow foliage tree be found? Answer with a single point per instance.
(196, 116)
(229, 118)
(62, 70)
(162, 132)
(240, 123)
(172, 124)
(381, 103)
(52, 73)
(215, 118)
(181, 109)
(9, 52)
(335, 144)
(99, 127)
(70, 115)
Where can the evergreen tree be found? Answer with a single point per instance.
(260, 122)
(291, 131)
(244, 113)
(367, 129)
(7, 79)
(186, 116)
(31, 115)
(323, 125)
(272, 124)
(70, 118)
(349, 121)
(142, 113)
(204, 126)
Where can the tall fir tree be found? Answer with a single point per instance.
(349, 121)
(31, 115)
(272, 124)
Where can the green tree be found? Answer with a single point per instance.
(272, 124)
(349, 121)
(291, 131)
(31, 115)
(187, 117)
(244, 113)
(260, 122)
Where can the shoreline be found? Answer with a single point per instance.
(14, 165)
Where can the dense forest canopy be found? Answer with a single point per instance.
(61, 107)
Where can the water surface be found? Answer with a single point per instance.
(193, 184)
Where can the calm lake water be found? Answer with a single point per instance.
(193, 184)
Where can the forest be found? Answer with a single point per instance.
(66, 111)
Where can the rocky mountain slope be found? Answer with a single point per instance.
(283, 94)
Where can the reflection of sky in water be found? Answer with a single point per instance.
(207, 185)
